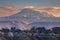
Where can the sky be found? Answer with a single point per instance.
(36, 3)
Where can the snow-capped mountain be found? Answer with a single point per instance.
(31, 15)
(28, 15)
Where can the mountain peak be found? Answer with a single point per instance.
(28, 10)
(29, 7)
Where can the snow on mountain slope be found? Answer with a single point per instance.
(17, 24)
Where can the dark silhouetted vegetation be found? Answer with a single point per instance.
(34, 34)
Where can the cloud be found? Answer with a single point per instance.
(12, 9)
(51, 11)
(55, 11)
(8, 10)
(29, 7)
